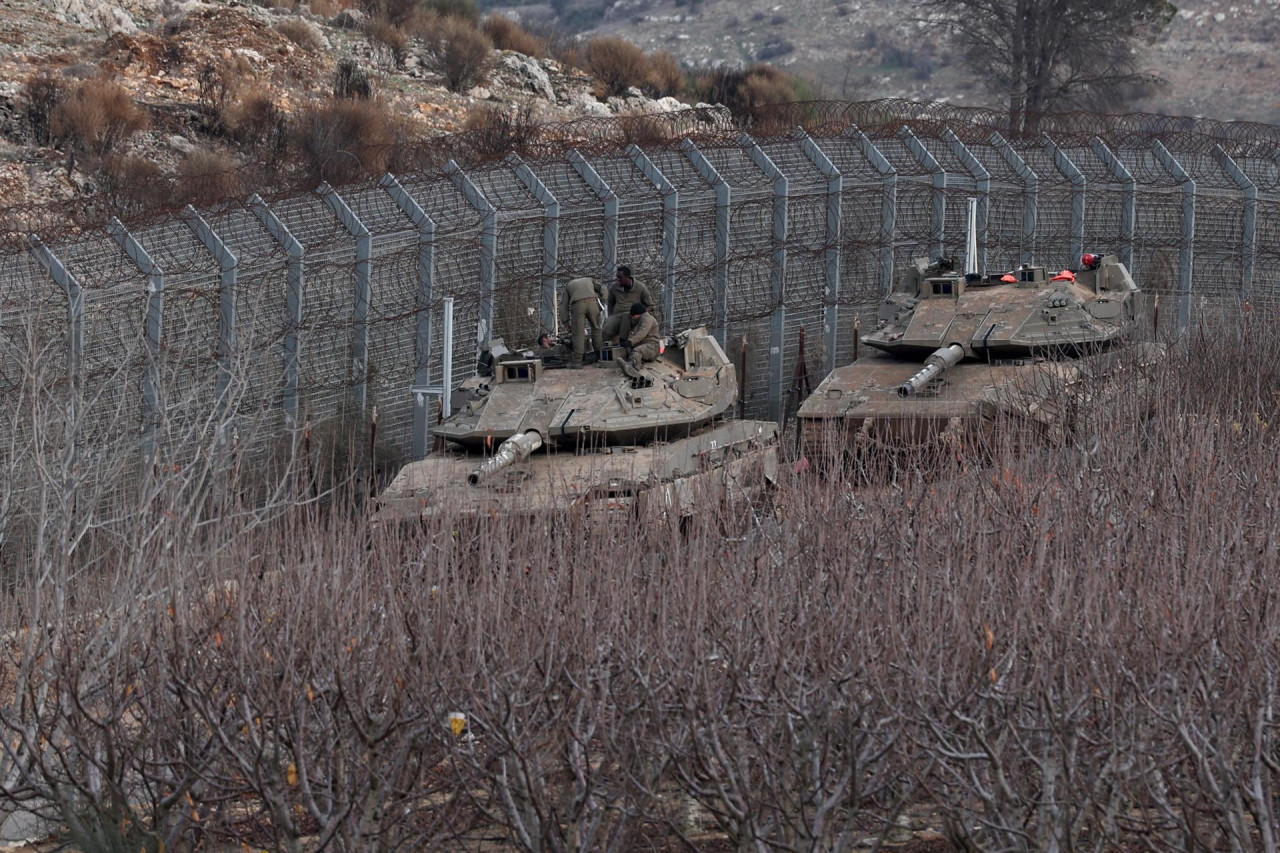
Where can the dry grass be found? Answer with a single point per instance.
(616, 62)
(506, 34)
(388, 42)
(301, 32)
(462, 54)
(665, 76)
(343, 139)
(96, 118)
(207, 178)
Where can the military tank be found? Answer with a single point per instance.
(951, 351)
(534, 437)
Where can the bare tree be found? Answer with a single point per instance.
(1041, 55)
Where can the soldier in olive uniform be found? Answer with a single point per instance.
(579, 308)
(644, 343)
(622, 295)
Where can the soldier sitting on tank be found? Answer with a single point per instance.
(643, 344)
(622, 295)
(552, 352)
(580, 307)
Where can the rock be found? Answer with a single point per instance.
(668, 105)
(633, 92)
(586, 103)
(94, 14)
(529, 75)
(348, 19)
(480, 93)
(180, 144)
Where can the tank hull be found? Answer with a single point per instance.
(733, 458)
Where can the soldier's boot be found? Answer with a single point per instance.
(629, 369)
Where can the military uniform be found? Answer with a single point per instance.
(620, 301)
(645, 342)
(579, 308)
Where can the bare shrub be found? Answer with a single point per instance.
(465, 10)
(461, 53)
(745, 92)
(43, 93)
(209, 177)
(387, 42)
(343, 139)
(506, 34)
(133, 184)
(95, 119)
(351, 80)
(217, 86)
(325, 9)
(616, 62)
(495, 131)
(303, 33)
(664, 77)
(256, 121)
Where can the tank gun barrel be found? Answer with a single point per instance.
(938, 361)
(513, 450)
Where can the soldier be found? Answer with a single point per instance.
(643, 344)
(579, 307)
(624, 293)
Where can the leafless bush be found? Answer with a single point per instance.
(387, 41)
(745, 92)
(616, 62)
(133, 183)
(218, 84)
(494, 131)
(256, 121)
(302, 33)
(43, 93)
(342, 139)
(461, 53)
(206, 178)
(351, 80)
(665, 77)
(506, 34)
(95, 118)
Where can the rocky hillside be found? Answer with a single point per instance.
(1218, 56)
(220, 85)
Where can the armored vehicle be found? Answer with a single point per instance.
(532, 438)
(951, 351)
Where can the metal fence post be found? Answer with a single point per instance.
(422, 306)
(670, 229)
(1249, 237)
(982, 179)
(1076, 177)
(888, 203)
(294, 296)
(75, 322)
(609, 200)
(777, 269)
(362, 296)
(831, 252)
(1128, 211)
(229, 265)
(939, 176)
(154, 330)
(723, 198)
(1030, 195)
(488, 248)
(1186, 253)
(550, 237)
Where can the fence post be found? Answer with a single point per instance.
(294, 295)
(1030, 195)
(939, 175)
(723, 198)
(550, 237)
(777, 269)
(1076, 177)
(831, 252)
(154, 331)
(982, 179)
(75, 326)
(1248, 240)
(609, 200)
(1186, 253)
(488, 248)
(229, 265)
(670, 230)
(362, 295)
(1128, 211)
(888, 203)
(422, 306)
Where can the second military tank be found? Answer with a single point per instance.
(951, 351)
(530, 438)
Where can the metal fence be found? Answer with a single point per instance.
(328, 302)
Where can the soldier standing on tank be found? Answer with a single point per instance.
(579, 308)
(643, 344)
(622, 295)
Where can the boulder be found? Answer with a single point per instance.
(348, 19)
(528, 75)
(586, 103)
(94, 14)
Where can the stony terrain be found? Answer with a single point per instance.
(158, 49)
(1217, 56)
